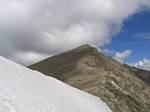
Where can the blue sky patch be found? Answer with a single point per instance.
(135, 36)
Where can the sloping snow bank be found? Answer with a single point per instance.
(24, 90)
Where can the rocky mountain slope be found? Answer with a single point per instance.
(25, 90)
(123, 88)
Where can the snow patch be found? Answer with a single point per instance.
(24, 90)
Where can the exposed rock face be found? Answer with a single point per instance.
(123, 88)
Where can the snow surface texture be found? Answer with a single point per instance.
(24, 90)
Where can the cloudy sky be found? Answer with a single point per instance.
(31, 30)
(132, 44)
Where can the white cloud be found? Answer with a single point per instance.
(46, 27)
(143, 64)
(122, 56)
(145, 36)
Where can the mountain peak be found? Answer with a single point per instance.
(89, 70)
(85, 46)
(83, 50)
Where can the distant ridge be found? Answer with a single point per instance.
(123, 88)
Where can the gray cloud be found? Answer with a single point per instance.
(33, 29)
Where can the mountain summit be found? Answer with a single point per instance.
(122, 87)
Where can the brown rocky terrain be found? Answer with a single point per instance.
(122, 87)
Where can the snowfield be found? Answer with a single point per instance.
(24, 90)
